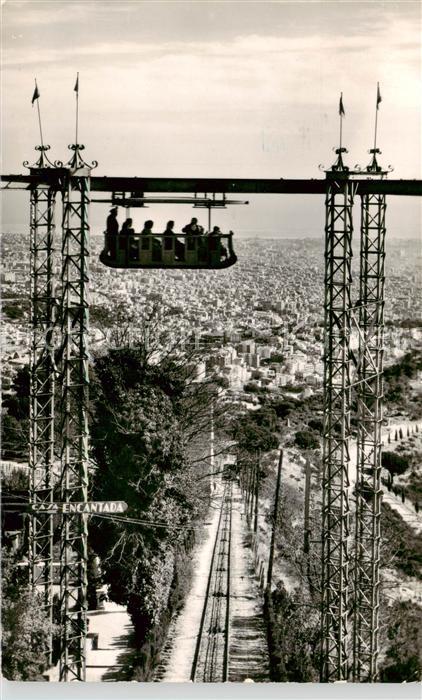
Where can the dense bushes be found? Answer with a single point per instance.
(25, 626)
(401, 546)
(285, 407)
(149, 650)
(316, 425)
(256, 430)
(397, 388)
(403, 662)
(394, 463)
(14, 311)
(293, 636)
(15, 421)
(139, 451)
(306, 440)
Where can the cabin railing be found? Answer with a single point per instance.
(131, 250)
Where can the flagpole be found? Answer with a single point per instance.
(376, 118)
(77, 107)
(341, 119)
(39, 114)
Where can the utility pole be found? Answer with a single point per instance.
(275, 521)
(249, 482)
(307, 530)
(212, 459)
(257, 470)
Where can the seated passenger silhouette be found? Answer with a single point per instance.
(179, 248)
(147, 230)
(156, 244)
(193, 229)
(216, 231)
(127, 227)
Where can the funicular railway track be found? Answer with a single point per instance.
(211, 659)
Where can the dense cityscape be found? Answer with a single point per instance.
(262, 318)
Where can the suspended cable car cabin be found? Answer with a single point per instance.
(140, 250)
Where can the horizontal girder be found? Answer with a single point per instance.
(54, 177)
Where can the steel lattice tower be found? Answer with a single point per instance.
(337, 400)
(369, 413)
(74, 416)
(42, 382)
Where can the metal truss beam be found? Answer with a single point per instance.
(226, 186)
(42, 387)
(369, 413)
(74, 422)
(337, 400)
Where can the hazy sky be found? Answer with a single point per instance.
(247, 89)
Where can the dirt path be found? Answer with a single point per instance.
(109, 645)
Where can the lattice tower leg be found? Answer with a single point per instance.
(74, 424)
(337, 397)
(42, 385)
(369, 402)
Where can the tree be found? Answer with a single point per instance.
(316, 425)
(394, 463)
(221, 381)
(284, 408)
(144, 416)
(17, 404)
(26, 628)
(293, 634)
(251, 388)
(15, 423)
(404, 655)
(266, 417)
(306, 440)
(15, 436)
(255, 431)
(13, 311)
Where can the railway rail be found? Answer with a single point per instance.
(211, 658)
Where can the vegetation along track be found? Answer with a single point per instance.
(211, 659)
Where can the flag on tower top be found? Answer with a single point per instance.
(340, 107)
(379, 98)
(36, 94)
(76, 88)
